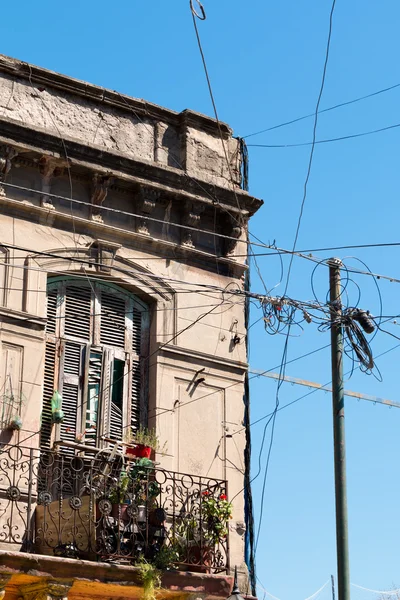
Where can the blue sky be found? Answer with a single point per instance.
(265, 61)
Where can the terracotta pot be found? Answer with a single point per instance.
(139, 451)
(119, 511)
(202, 556)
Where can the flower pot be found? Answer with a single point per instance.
(15, 424)
(200, 559)
(139, 451)
(119, 512)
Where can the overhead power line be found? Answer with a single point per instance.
(349, 247)
(310, 160)
(338, 139)
(327, 388)
(388, 89)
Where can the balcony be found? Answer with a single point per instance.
(110, 509)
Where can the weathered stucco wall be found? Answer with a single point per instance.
(181, 273)
(170, 141)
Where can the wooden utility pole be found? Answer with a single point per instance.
(342, 541)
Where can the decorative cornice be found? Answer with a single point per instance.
(168, 249)
(163, 178)
(43, 77)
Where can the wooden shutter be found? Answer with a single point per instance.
(93, 398)
(136, 370)
(49, 385)
(112, 324)
(52, 303)
(77, 311)
(71, 390)
(106, 382)
(50, 382)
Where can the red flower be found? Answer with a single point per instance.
(223, 497)
(206, 493)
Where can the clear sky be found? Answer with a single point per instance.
(265, 60)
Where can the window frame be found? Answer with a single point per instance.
(128, 354)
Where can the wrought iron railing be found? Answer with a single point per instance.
(111, 510)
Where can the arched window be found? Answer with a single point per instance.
(94, 343)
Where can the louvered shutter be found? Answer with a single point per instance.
(50, 370)
(77, 311)
(106, 384)
(92, 416)
(52, 303)
(49, 385)
(71, 390)
(136, 370)
(112, 324)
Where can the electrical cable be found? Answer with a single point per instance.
(238, 383)
(329, 140)
(120, 212)
(137, 274)
(210, 90)
(388, 89)
(310, 161)
(309, 393)
(349, 247)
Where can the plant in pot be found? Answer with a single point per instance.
(118, 496)
(202, 529)
(142, 442)
(144, 489)
(216, 511)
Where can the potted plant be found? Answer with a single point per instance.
(143, 442)
(216, 512)
(201, 529)
(118, 497)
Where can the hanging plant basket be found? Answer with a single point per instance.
(15, 423)
(57, 413)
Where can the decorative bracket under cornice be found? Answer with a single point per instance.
(50, 167)
(101, 184)
(191, 218)
(7, 155)
(149, 198)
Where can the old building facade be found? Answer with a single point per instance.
(122, 302)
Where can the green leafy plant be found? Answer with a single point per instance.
(166, 558)
(119, 492)
(143, 489)
(146, 437)
(216, 512)
(206, 526)
(150, 576)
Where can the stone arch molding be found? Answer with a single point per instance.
(135, 278)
